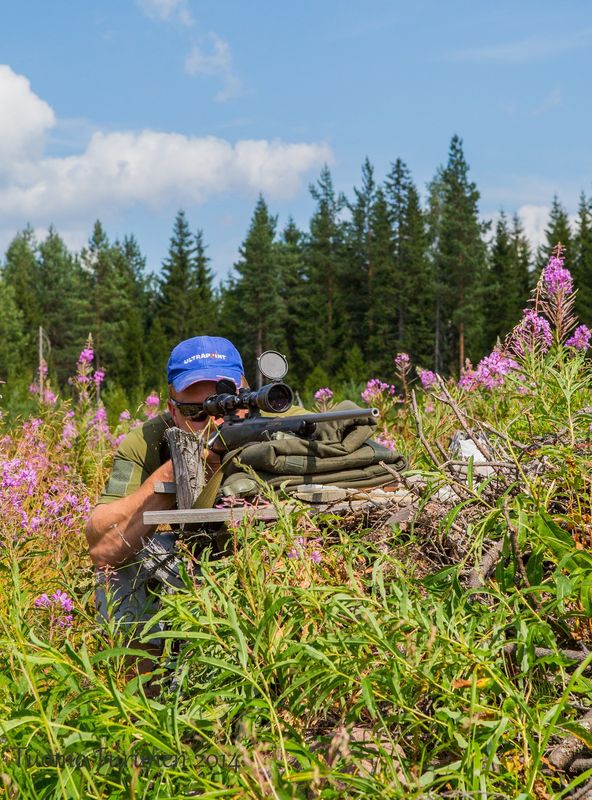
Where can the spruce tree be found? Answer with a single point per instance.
(326, 334)
(384, 292)
(21, 274)
(112, 304)
(412, 271)
(582, 261)
(356, 268)
(178, 296)
(462, 262)
(558, 231)
(64, 304)
(205, 312)
(523, 280)
(434, 231)
(13, 342)
(253, 294)
(293, 292)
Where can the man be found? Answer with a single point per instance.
(118, 539)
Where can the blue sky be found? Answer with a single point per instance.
(127, 110)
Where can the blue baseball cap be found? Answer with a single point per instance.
(203, 358)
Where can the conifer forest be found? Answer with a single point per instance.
(383, 271)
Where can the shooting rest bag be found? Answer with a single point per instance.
(341, 453)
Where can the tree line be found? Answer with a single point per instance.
(375, 274)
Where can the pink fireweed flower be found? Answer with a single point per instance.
(428, 378)
(42, 368)
(580, 340)
(556, 278)
(316, 557)
(532, 333)
(492, 369)
(402, 361)
(375, 390)
(86, 356)
(100, 415)
(42, 601)
(69, 433)
(33, 388)
(49, 398)
(468, 381)
(124, 416)
(322, 395)
(152, 403)
(62, 599)
(99, 376)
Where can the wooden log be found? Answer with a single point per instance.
(187, 454)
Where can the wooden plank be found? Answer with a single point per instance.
(190, 515)
(179, 516)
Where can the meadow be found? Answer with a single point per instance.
(442, 655)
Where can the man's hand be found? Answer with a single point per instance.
(115, 531)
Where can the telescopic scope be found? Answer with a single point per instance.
(274, 398)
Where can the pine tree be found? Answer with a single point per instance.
(558, 231)
(461, 259)
(582, 261)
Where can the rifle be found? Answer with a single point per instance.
(274, 398)
(235, 432)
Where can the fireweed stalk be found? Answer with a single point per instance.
(402, 367)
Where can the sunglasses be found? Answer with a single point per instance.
(191, 411)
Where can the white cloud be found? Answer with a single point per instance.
(24, 119)
(534, 221)
(167, 9)
(532, 48)
(214, 61)
(122, 170)
(536, 218)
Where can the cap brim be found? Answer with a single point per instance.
(198, 376)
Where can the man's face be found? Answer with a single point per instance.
(196, 393)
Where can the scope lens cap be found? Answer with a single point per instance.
(272, 365)
(226, 386)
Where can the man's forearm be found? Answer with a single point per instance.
(115, 531)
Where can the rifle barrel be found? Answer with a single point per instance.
(241, 432)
